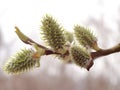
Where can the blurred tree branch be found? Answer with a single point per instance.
(1, 38)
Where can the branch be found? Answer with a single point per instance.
(29, 41)
(102, 52)
(94, 55)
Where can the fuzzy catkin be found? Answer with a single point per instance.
(52, 33)
(80, 56)
(69, 36)
(85, 37)
(21, 62)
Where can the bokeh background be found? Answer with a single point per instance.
(102, 16)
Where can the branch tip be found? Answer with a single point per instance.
(22, 37)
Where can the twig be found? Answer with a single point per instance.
(29, 41)
(94, 55)
(102, 52)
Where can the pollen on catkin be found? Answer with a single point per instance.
(21, 62)
(85, 37)
(80, 56)
(52, 33)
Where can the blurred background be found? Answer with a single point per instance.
(102, 16)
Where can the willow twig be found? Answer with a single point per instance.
(94, 55)
(29, 41)
(103, 52)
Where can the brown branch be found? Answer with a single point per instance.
(94, 55)
(102, 52)
(47, 50)
(29, 41)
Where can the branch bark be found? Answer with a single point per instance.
(104, 52)
(101, 53)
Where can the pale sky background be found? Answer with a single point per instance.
(27, 15)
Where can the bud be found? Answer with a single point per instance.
(21, 62)
(80, 56)
(52, 33)
(68, 36)
(85, 37)
(23, 37)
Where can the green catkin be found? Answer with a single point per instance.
(52, 33)
(68, 36)
(85, 37)
(80, 56)
(21, 62)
